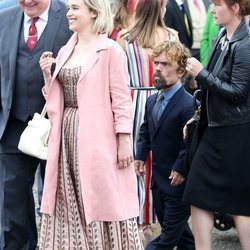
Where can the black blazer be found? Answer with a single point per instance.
(166, 140)
(57, 32)
(174, 19)
(226, 84)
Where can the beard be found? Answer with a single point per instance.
(159, 81)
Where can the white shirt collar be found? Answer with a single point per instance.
(179, 2)
(44, 16)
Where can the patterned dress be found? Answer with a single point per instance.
(141, 85)
(67, 228)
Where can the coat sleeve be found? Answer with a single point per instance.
(143, 144)
(236, 90)
(121, 101)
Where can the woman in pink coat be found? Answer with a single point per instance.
(90, 192)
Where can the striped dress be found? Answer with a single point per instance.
(141, 85)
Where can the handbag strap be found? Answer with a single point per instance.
(44, 112)
(196, 99)
(196, 103)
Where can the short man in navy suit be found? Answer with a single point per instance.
(161, 132)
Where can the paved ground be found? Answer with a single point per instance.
(222, 240)
(225, 240)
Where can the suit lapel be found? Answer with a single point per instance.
(181, 19)
(13, 36)
(179, 13)
(215, 44)
(169, 107)
(220, 61)
(69, 47)
(189, 19)
(238, 34)
(90, 64)
(55, 17)
(101, 44)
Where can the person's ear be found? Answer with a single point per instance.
(180, 73)
(236, 8)
(93, 15)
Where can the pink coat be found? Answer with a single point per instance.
(105, 109)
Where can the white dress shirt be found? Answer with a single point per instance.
(40, 24)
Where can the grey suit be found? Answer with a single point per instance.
(20, 91)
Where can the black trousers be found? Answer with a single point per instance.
(173, 217)
(17, 209)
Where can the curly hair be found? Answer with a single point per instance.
(176, 53)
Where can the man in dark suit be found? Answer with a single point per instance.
(161, 132)
(178, 17)
(21, 81)
(188, 18)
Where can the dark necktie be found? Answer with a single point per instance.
(157, 110)
(32, 37)
(185, 18)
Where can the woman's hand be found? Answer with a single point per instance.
(46, 61)
(125, 157)
(193, 67)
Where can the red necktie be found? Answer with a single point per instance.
(32, 38)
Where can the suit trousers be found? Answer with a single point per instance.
(17, 209)
(40, 181)
(173, 217)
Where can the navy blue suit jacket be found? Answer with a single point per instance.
(166, 140)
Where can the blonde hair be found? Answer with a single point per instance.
(121, 14)
(148, 18)
(103, 23)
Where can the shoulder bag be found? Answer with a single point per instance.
(192, 140)
(34, 139)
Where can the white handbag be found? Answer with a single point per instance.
(34, 139)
